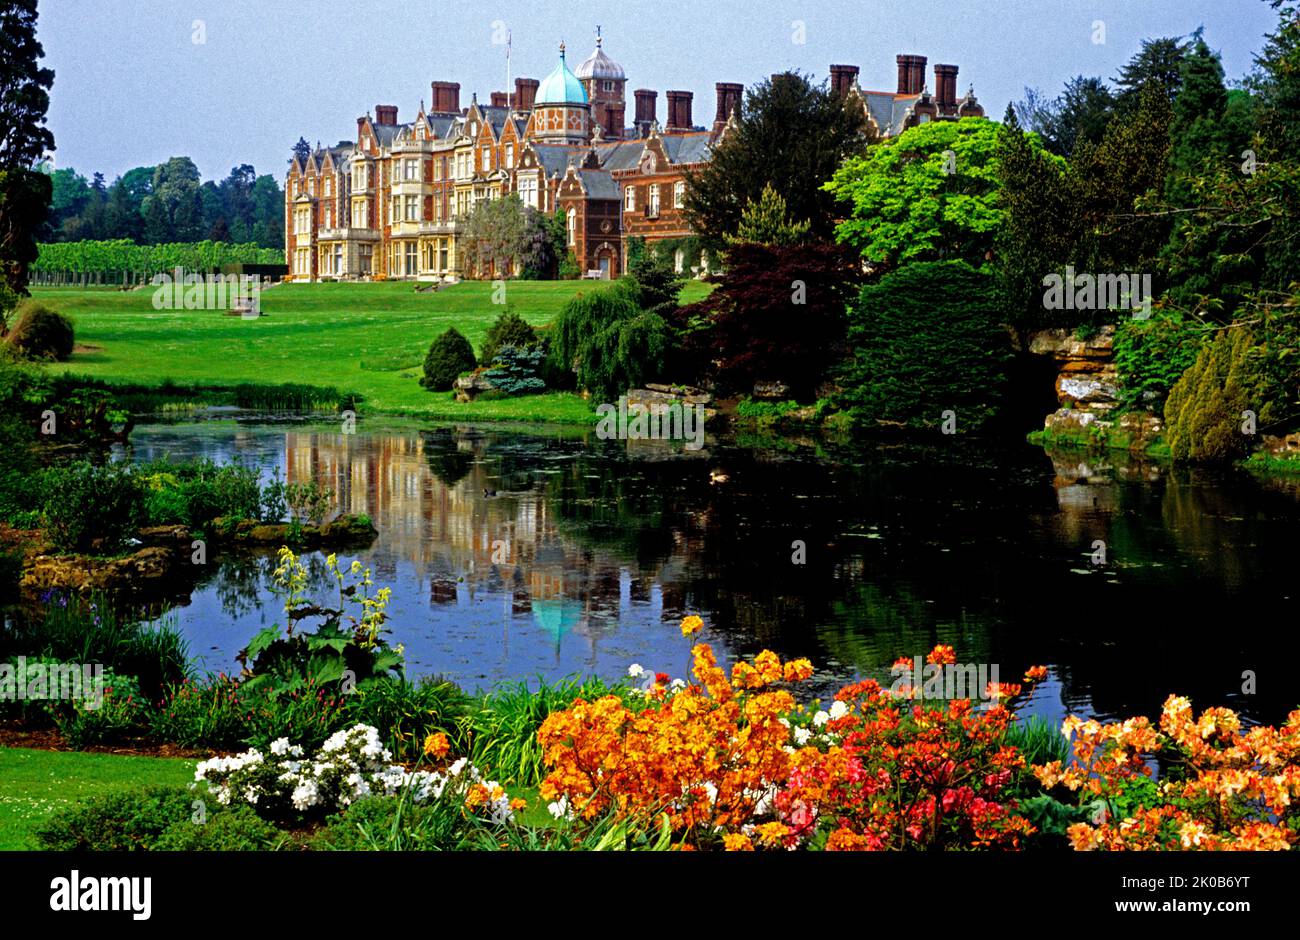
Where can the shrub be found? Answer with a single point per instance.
(90, 507)
(395, 824)
(209, 714)
(1151, 355)
(197, 492)
(41, 333)
(449, 356)
(509, 329)
(108, 718)
(125, 821)
(1205, 409)
(285, 782)
(926, 338)
(518, 371)
(236, 829)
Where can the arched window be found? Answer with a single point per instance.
(573, 227)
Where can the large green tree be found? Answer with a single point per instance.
(929, 194)
(25, 191)
(791, 134)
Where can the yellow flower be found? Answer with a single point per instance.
(691, 625)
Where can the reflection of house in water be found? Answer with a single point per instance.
(428, 498)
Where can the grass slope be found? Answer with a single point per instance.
(34, 784)
(363, 338)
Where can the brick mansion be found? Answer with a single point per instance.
(392, 202)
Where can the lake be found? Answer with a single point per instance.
(519, 553)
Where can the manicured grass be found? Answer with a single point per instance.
(35, 784)
(364, 338)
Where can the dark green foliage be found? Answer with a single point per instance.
(1151, 355)
(659, 284)
(790, 133)
(608, 341)
(112, 718)
(41, 332)
(208, 714)
(1077, 117)
(1036, 231)
(509, 329)
(449, 356)
(518, 371)
(132, 820)
(1204, 413)
(925, 339)
(394, 824)
(236, 828)
(72, 630)
(1157, 66)
(408, 712)
(194, 493)
(92, 508)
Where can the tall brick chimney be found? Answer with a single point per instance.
(525, 93)
(679, 110)
(728, 100)
(615, 117)
(645, 110)
(945, 88)
(911, 74)
(446, 97)
(499, 99)
(842, 78)
(361, 126)
(386, 114)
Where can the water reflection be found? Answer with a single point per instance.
(520, 554)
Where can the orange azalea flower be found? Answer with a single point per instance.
(691, 625)
(942, 655)
(437, 746)
(736, 842)
(1035, 674)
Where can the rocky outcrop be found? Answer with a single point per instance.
(1087, 390)
(151, 571)
(656, 395)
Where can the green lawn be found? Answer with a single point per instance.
(363, 338)
(34, 784)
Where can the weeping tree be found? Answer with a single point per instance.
(607, 342)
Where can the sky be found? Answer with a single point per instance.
(228, 82)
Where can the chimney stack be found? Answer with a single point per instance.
(614, 114)
(645, 110)
(386, 114)
(525, 93)
(842, 78)
(361, 125)
(499, 99)
(728, 100)
(446, 97)
(945, 88)
(679, 110)
(911, 74)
